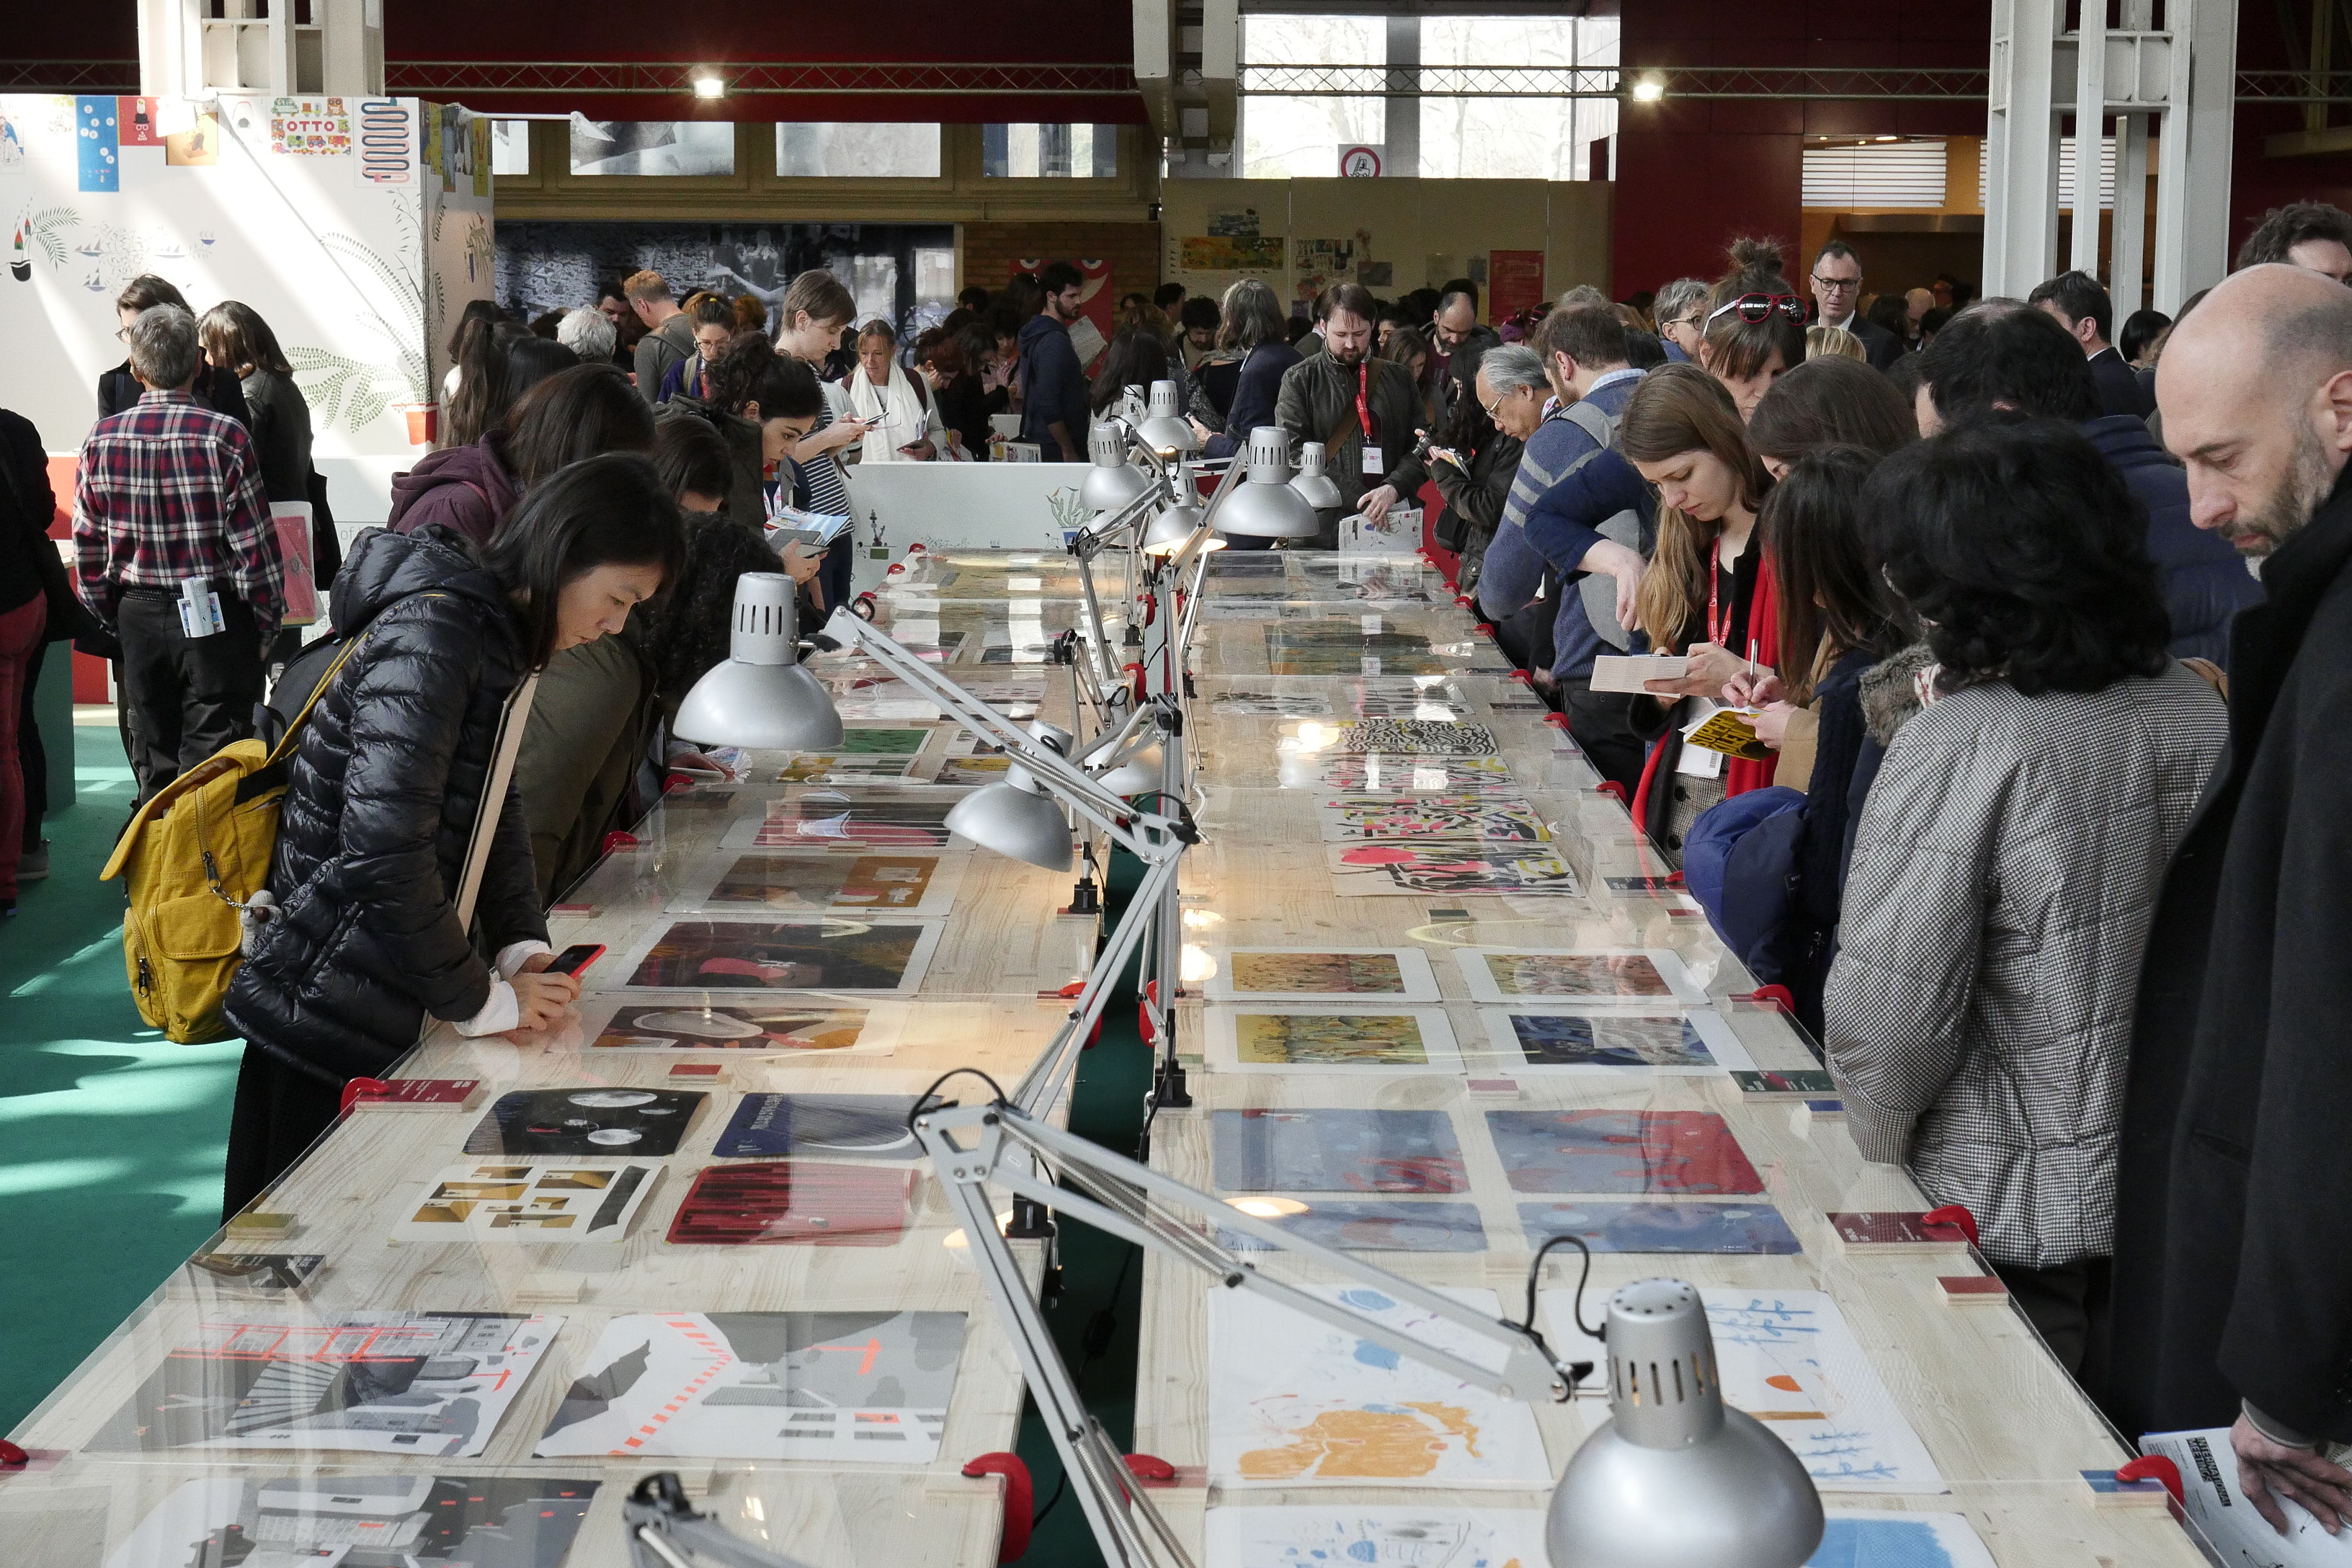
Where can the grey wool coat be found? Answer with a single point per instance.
(2005, 869)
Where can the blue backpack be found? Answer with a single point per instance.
(1741, 863)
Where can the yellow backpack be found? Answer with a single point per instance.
(197, 856)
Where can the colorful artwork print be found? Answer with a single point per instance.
(1262, 973)
(1296, 1402)
(360, 1521)
(1353, 774)
(752, 1026)
(1489, 817)
(974, 770)
(1351, 973)
(1621, 1152)
(1363, 869)
(834, 1126)
(485, 1202)
(1369, 1225)
(1787, 1359)
(1661, 1227)
(1419, 738)
(856, 1387)
(784, 955)
(369, 1383)
(1288, 1039)
(1615, 1042)
(1854, 1539)
(1343, 648)
(1621, 974)
(1335, 1151)
(884, 743)
(783, 1202)
(1358, 1537)
(604, 1120)
(837, 822)
(897, 883)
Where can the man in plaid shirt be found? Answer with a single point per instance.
(169, 490)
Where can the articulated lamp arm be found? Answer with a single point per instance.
(665, 1532)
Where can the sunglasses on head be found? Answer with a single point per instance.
(1760, 307)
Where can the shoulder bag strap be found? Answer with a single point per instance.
(494, 796)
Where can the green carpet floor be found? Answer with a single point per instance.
(111, 1137)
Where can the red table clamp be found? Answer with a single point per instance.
(1615, 791)
(1149, 1468)
(12, 1457)
(1955, 1215)
(1777, 997)
(1523, 678)
(1020, 1500)
(2153, 1466)
(354, 1088)
(616, 841)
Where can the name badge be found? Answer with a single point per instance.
(1373, 464)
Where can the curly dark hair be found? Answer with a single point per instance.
(2024, 555)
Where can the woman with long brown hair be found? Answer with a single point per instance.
(1708, 592)
(1753, 329)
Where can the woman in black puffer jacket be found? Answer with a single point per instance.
(386, 786)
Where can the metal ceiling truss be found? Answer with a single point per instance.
(442, 79)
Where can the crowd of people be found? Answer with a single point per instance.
(2031, 821)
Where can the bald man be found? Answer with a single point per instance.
(2233, 1278)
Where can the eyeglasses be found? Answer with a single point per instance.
(1760, 307)
(1828, 283)
(122, 334)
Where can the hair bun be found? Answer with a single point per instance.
(1750, 255)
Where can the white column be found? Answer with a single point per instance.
(352, 58)
(2209, 29)
(2130, 248)
(1400, 126)
(171, 48)
(2021, 243)
(2090, 114)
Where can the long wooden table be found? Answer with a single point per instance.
(2003, 1425)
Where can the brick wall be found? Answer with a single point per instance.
(991, 250)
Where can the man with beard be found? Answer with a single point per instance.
(1362, 408)
(2233, 1289)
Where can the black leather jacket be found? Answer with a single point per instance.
(387, 782)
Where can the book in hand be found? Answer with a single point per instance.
(1626, 672)
(791, 525)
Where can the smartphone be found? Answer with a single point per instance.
(574, 960)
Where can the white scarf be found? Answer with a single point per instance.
(903, 415)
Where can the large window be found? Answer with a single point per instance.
(1029, 151)
(2065, 175)
(1526, 138)
(1285, 137)
(659, 147)
(836, 149)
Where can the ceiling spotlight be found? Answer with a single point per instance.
(708, 84)
(1649, 89)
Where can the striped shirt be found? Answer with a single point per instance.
(169, 490)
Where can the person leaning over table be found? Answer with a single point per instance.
(1362, 408)
(1977, 1020)
(385, 791)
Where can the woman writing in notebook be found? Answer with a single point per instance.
(1707, 593)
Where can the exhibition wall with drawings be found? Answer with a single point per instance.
(358, 227)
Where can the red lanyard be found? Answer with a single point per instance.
(1718, 632)
(1363, 412)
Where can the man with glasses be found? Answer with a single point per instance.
(1837, 297)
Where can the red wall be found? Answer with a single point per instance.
(1692, 176)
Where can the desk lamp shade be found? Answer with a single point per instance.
(1163, 430)
(1111, 482)
(1018, 818)
(1144, 770)
(1677, 1480)
(760, 696)
(1313, 485)
(1266, 505)
(1174, 523)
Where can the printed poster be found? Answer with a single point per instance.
(1514, 282)
(1321, 974)
(386, 140)
(362, 1519)
(854, 1387)
(1229, 253)
(1296, 1402)
(1360, 1537)
(371, 1383)
(1683, 1045)
(488, 1201)
(135, 123)
(1592, 974)
(2211, 1493)
(1363, 1224)
(1787, 1358)
(747, 1024)
(1335, 1151)
(96, 140)
(1289, 1038)
(196, 148)
(1621, 1152)
(309, 126)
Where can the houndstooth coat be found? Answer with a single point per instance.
(1979, 1017)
